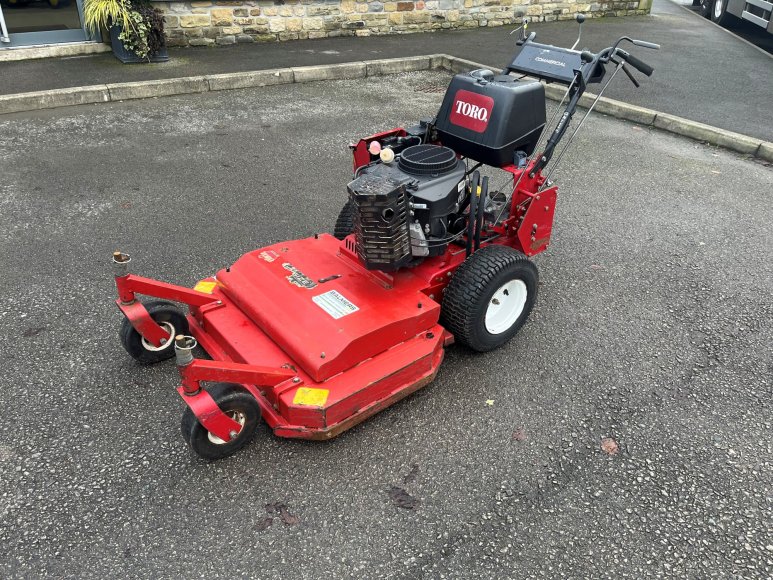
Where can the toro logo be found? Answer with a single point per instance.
(471, 110)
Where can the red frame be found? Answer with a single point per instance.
(220, 325)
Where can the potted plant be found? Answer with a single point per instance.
(136, 28)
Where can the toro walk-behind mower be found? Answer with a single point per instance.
(316, 335)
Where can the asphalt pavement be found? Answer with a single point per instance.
(753, 33)
(702, 73)
(624, 432)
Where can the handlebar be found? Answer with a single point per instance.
(613, 52)
(574, 68)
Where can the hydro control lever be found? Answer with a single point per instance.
(639, 65)
(627, 71)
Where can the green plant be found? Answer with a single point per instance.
(142, 26)
(98, 14)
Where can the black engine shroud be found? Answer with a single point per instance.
(490, 118)
(404, 209)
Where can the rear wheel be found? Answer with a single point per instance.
(235, 402)
(169, 317)
(490, 297)
(345, 222)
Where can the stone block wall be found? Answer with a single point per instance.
(211, 22)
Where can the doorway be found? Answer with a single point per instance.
(37, 22)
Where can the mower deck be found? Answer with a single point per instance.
(354, 341)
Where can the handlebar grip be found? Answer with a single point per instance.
(646, 44)
(639, 65)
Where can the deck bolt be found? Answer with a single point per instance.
(163, 341)
(219, 301)
(296, 380)
(233, 434)
(322, 355)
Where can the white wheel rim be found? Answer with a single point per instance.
(505, 306)
(236, 416)
(149, 345)
(717, 8)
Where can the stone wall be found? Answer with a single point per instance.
(205, 23)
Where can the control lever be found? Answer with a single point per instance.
(522, 27)
(531, 37)
(627, 71)
(580, 18)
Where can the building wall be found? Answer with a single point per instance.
(210, 22)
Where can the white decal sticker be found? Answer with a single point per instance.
(268, 255)
(334, 304)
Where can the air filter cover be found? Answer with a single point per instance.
(427, 160)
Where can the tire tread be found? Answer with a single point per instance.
(468, 286)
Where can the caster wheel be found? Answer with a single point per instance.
(235, 402)
(490, 297)
(169, 317)
(345, 222)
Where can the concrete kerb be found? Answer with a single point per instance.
(159, 88)
(331, 72)
(54, 98)
(707, 133)
(766, 151)
(393, 66)
(245, 80)
(50, 99)
(21, 102)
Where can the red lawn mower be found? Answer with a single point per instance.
(316, 335)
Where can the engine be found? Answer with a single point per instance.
(402, 208)
(409, 207)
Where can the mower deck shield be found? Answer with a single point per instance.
(394, 365)
(323, 309)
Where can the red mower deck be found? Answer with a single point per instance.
(304, 295)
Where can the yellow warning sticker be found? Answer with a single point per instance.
(310, 397)
(206, 286)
